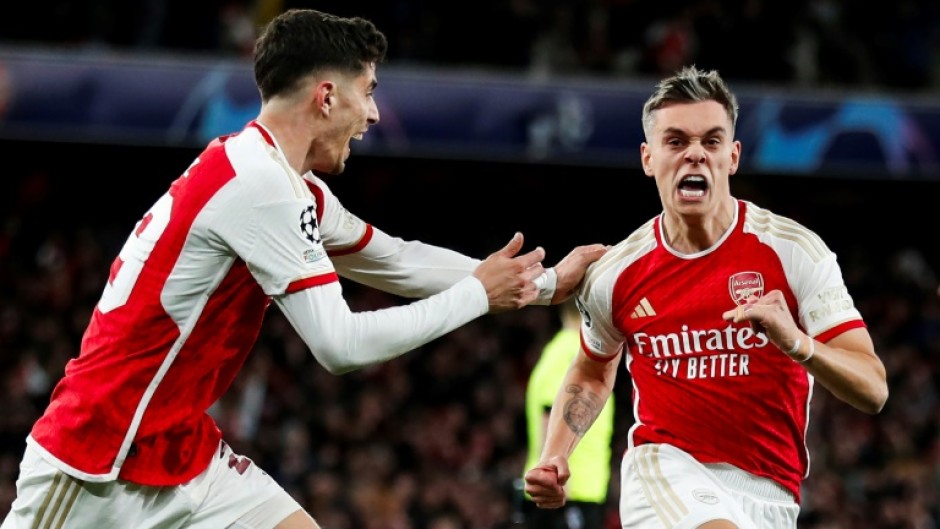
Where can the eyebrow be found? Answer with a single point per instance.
(678, 131)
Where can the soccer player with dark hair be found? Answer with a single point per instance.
(126, 441)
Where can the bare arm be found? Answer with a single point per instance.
(847, 365)
(582, 395)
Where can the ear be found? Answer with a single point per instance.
(735, 158)
(645, 154)
(323, 96)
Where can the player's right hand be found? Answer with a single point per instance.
(545, 483)
(570, 270)
(509, 278)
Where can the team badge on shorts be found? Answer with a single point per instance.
(705, 496)
(744, 285)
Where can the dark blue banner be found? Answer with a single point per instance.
(448, 114)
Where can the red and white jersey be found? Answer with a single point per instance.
(717, 390)
(184, 304)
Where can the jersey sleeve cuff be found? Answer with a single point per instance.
(595, 356)
(829, 334)
(308, 282)
(476, 294)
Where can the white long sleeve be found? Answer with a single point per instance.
(343, 341)
(414, 269)
(411, 269)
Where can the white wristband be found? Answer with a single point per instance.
(812, 351)
(796, 348)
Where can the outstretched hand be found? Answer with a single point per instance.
(570, 270)
(508, 278)
(545, 483)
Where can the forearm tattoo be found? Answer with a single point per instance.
(581, 409)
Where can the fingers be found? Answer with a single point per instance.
(513, 247)
(593, 252)
(735, 315)
(769, 315)
(755, 321)
(509, 279)
(544, 477)
(585, 255)
(570, 270)
(533, 272)
(534, 257)
(741, 312)
(543, 486)
(526, 260)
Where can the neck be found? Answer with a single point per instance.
(290, 128)
(694, 233)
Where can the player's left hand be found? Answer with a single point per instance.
(768, 314)
(570, 270)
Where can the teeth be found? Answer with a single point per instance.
(692, 193)
(693, 178)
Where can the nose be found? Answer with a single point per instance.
(695, 153)
(373, 116)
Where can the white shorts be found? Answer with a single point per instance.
(233, 490)
(663, 487)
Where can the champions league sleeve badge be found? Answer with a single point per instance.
(585, 315)
(311, 231)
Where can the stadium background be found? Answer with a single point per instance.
(436, 439)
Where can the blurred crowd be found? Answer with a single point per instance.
(436, 439)
(819, 43)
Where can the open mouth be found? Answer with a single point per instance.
(693, 186)
(354, 137)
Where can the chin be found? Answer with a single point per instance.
(330, 169)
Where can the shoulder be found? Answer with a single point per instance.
(639, 243)
(782, 232)
(321, 191)
(261, 170)
(313, 180)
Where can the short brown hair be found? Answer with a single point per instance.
(300, 42)
(690, 85)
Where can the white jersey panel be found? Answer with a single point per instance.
(134, 254)
(406, 268)
(267, 215)
(812, 270)
(595, 299)
(343, 340)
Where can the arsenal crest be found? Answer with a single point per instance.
(744, 285)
